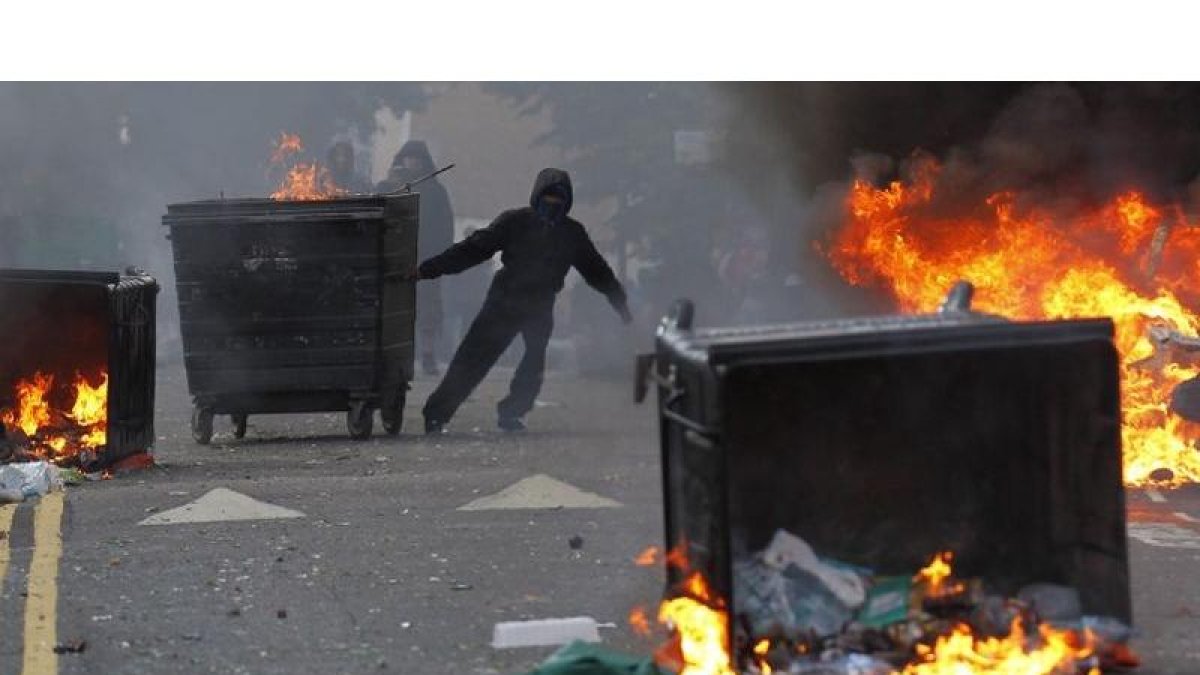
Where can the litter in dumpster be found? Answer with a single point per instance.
(791, 609)
(787, 550)
(914, 625)
(852, 664)
(1052, 602)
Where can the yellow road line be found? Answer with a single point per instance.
(6, 517)
(41, 604)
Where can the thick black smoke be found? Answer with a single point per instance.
(1097, 137)
(1064, 146)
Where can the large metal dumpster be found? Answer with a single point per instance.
(296, 306)
(881, 440)
(87, 327)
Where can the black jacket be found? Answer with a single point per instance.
(437, 215)
(536, 255)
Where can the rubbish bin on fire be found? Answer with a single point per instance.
(296, 306)
(881, 440)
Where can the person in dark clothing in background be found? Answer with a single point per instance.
(342, 170)
(436, 233)
(538, 245)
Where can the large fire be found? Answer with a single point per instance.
(59, 433)
(303, 181)
(1127, 259)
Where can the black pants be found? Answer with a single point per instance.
(489, 335)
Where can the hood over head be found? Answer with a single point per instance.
(416, 149)
(556, 180)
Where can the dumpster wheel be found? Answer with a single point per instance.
(202, 424)
(239, 424)
(360, 418)
(392, 414)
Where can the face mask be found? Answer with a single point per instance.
(552, 211)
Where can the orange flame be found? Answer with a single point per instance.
(639, 621)
(287, 145)
(961, 653)
(647, 557)
(935, 575)
(33, 410)
(303, 181)
(760, 656)
(703, 631)
(1028, 264)
(60, 435)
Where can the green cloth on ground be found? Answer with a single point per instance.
(582, 658)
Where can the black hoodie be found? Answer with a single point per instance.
(535, 254)
(437, 215)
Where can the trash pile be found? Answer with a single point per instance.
(807, 614)
(24, 480)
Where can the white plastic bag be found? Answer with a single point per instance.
(788, 549)
(29, 479)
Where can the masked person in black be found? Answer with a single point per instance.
(436, 233)
(538, 245)
(342, 170)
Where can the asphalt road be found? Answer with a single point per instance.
(383, 571)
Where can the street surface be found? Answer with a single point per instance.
(362, 559)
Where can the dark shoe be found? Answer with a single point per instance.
(434, 427)
(429, 365)
(511, 424)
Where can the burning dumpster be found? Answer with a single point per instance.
(291, 306)
(877, 442)
(77, 367)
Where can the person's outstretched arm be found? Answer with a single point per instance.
(469, 252)
(599, 275)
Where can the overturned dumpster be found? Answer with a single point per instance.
(296, 306)
(77, 377)
(874, 443)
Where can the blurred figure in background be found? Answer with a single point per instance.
(345, 175)
(746, 275)
(436, 235)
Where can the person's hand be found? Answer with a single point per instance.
(413, 274)
(626, 316)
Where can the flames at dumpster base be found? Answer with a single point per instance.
(58, 423)
(699, 642)
(1127, 259)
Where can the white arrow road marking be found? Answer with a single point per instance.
(221, 505)
(540, 492)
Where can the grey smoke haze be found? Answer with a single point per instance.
(88, 168)
(111, 155)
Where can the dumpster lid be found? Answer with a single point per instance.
(60, 276)
(815, 339)
(355, 206)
